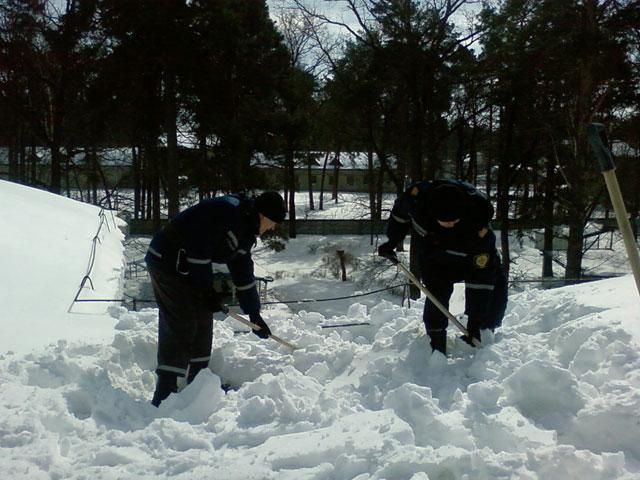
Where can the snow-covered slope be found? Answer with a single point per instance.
(46, 244)
(554, 396)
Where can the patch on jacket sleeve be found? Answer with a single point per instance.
(481, 261)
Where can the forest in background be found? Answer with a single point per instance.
(498, 90)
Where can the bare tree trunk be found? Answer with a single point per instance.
(323, 175)
(372, 194)
(56, 169)
(33, 172)
(488, 161)
(548, 207)
(503, 215)
(22, 159)
(472, 173)
(14, 148)
(77, 172)
(343, 267)
(137, 187)
(503, 187)
(414, 291)
(291, 183)
(173, 192)
(336, 177)
(310, 182)
(574, 246)
(459, 156)
(379, 192)
(153, 184)
(144, 182)
(68, 165)
(103, 177)
(93, 172)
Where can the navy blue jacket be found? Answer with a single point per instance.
(217, 230)
(415, 209)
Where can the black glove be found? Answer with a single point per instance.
(223, 308)
(213, 301)
(388, 251)
(264, 331)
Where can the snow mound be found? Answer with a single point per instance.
(554, 395)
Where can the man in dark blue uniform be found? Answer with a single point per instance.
(179, 260)
(450, 222)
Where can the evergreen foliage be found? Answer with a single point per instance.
(505, 101)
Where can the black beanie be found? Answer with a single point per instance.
(271, 205)
(448, 202)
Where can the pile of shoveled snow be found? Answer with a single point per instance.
(554, 395)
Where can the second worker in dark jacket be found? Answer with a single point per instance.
(450, 222)
(218, 230)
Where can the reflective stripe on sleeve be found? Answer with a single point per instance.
(456, 253)
(399, 219)
(153, 251)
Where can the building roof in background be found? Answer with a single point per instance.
(122, 156)
(115, 156)
(346, 160)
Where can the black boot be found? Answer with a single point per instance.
(194, 369)
(473, 327)
(438, 340)
(166, 385)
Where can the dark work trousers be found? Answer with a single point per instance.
(185, 325)
(485, 288)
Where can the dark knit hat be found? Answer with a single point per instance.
(271, 205)
(448, 202)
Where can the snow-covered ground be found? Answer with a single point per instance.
(555, 394)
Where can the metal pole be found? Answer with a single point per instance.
(600, 144)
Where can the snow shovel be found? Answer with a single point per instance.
(253, 326)
(600, 145)
(433, 299)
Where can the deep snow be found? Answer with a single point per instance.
(555, 394)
